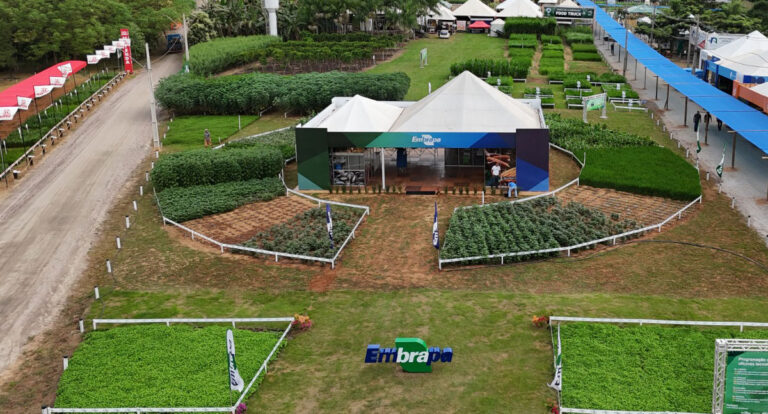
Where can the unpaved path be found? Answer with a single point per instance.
(48, 222)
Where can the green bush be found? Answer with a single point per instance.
(497, 67)
(284, 141)
(588, 57)
(611, 78)
(576, 37)
(553, 46)
(551, 39)
(158, 366)
(648, 170)
(530, 25)
(188, 203)
(354, 37)
(254, 92)
(584, 47)
(222, 53)
(205, 166)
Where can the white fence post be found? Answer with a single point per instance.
(81, 325)
(65, 362)
(109, 266)
(127, 222)
(96, 292)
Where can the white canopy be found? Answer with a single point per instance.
(361, 114)
(645, 20)
(497, 26)
(441, 13)
(752, 42)
(548, 2)
(467, 104)
(751, 64)
(474, 8)
(762, 89)
(569, 3)
(519, 8)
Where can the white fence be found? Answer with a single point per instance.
(168, 322)
(252, 137)
(86, 104)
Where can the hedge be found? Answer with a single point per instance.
(576, 37)
(284, 141)
(254, 92)
(587, 56)
(530, 25)
(353, 37)
(497, 67)
(219, 54)
(204, 167)
(648, 170)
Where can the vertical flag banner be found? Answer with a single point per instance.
(236, 382)
(719, 169)
(127, 59)
(42, 90)
(23, 102)
(7, 112)
(698, 142)
(557, 382)
(329, 223)
(435, 234)
(92, 59)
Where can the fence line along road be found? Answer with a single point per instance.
(50, 134)
(741, 325)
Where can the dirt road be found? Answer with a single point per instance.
(48, 222)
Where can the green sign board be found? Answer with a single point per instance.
(570, 12)
(595, 102)
(746, 383)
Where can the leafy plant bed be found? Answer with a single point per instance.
(587, 56)
(497, 67)
(624, 92)
(543, 223)
(186, 203)
(521, 40)
(534, 25)
(648, 170)
(577, 137)
(186, 132)
(584, 47)
(222, 53)
(552, 39)
(306, 234)
(159, 366)
(641, 368)
(284, 140)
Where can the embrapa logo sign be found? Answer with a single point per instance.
(427, 140)
(411, 353)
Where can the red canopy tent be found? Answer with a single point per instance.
(26, 88)
(479, 25)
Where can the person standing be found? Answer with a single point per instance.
(696, 120)
(495, 173)
(719, 124)
(207, 137)
(612, 46)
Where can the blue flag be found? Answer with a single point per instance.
(329, 223)
(435, 234)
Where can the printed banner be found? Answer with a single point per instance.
(236, 382)
(65, 69)
(57, 81)
(23, 102)
(329, 223)
(8, 112)
(102, 53)
(118, 44)
(127, 58)
(93, 59)
(42, 90)
(746, 383)
(594, 102)
(557, 382)
(109, 48)
(435, 234)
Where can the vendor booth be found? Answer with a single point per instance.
(452, 137)
(472, 11)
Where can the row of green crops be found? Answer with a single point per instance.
(542, 223)
(582, 76)
(497, 67)
(222, 53)
(577, 37)
(522, 58)
(523, 41)
(297, 51)
(553, 46)
(551, 61)
(624, 90)
(584, 47)
(541, 91)
(551, 39)
(388, 39)
(205, 166)
(186, 203)
(578, 137)
(284, 140)
(530, 25)
(254, 92)
(641, 368)
(654, 171)
(307, 234)
(159, 366)
(587, 57)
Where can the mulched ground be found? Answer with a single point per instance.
(646, 210)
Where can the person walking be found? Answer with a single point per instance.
(719, 124)
(495, 173)
(612, 46)
(207, 137)
(696, 120)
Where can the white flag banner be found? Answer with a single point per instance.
(23, 102)
(110, 48)
(126, 41)
(8, 112)
(65, 69)
(102, 53)
(557, 382)
(118, 43)
(57, 81)
(42, 90)
(92, 59)
(236, 382)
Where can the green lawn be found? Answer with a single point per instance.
(186, 132)
(441, 54)
(12, 155)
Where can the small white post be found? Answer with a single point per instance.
(81, 325)
(157, 154)
(45, 409)
(146, 176)
(719, 188)
(749, 220)
(141, 190)
(127, 222)
(152, 166)
(135, 206)
(429, 87)
(687, 151)
(65, 362)
(733, 202)
(96, 292)
(117, 241)
(707, 175)
(109, 266)
(483, 202)
(239, 125)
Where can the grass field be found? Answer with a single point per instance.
(186, 132)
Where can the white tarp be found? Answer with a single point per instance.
(441, 13)
(752, 42)
(474, 8)
(750, 64)
(519, 8)
(361, 114)
(467, 104)
(762, 89)
(497, 26)
(568, 3)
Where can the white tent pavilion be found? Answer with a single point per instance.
(441, 13)
(475, 9)
(569, 3)
(751, 42)
(497, 26)
(518, 8)
(753, 64)
(360, 114)
(468, 104)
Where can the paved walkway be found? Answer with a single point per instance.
(748, 182)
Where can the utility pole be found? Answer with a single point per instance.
(152, 108)
(653, 22)
(626, 48)
(186, 43)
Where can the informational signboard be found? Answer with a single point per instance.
(570, 12)
(423, 57)
(593, 103)
(741, 376)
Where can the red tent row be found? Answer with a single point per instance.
(26, 88)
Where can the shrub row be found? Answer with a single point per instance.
(353, 37)
(576, 136)
(603, 77)
(300, 51)
(551, 39)
(583, 47)
(284, 141)
(223, 53)
(577, 37)
(187, 203)
(251, 93)
(497, 67)
(530, 25)
(587, 56)
(205, 167)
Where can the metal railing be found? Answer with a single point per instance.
(56, 127)
(589, 411)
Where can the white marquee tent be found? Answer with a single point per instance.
(750, 64)
(441, 13)
(762, 89)
(751, 42)
(569, 3)
(497, 26)
(518, 8)
(360, 114)
(474, 9)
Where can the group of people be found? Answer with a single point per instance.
(707, 119)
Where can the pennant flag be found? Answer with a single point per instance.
(23, 102)
(110, 48)
(719, 168)
(236, 382)
(42, 90)
(557, 382)
(435, 234)
(57, 81)
(8, 112)
(102, 53)
(698, 142)
(93, 59)
(65, 69)
(329, 223)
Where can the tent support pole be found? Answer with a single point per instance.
(635, 69)
(666, 100)
(685, 112)
(733, 151)
(383, 173)
(706, 130)
(645, 76)
(657, 88)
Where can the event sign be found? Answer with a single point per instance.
(23, 102)
(746, 383)
(42, 90)
(57, 81)
(411, 353)
(109, 48)
(127, 58)
(570, 12)
(7, 112)
(236, 382)
(103, 53)
(92, 59)
(594, 102)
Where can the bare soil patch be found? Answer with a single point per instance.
(643, 209)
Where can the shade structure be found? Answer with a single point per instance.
(753, 64)
(467, 104)
(762, 89)
(26, 88)
(361, 114)
(519, 8)
(441, 12)
(476, 9)
(479, 25)
(748, 43)
(497, 26)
